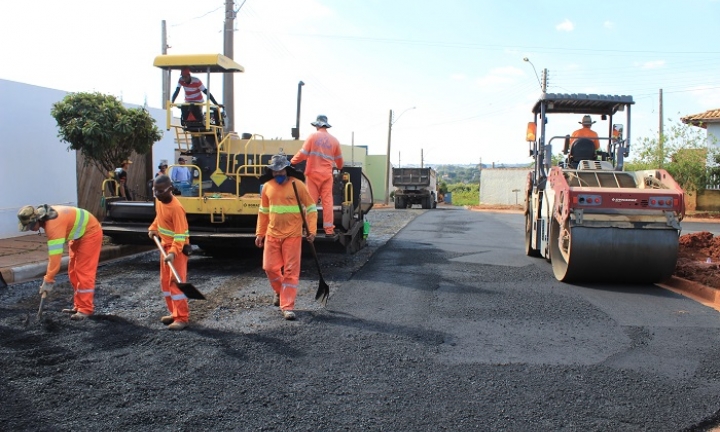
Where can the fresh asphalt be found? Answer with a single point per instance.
(446, 325)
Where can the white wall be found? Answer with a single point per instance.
(35, 167)
(497, 185)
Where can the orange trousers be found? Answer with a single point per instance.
(175, 300)
(321, 186)
(82, 270)
(281, 262)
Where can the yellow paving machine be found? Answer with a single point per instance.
(223, 196)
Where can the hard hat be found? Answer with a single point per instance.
(321, 122)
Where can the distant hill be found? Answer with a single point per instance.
(468, 173)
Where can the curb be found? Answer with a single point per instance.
(37, 270)
(701, 293)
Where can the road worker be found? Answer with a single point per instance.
(83, 234)
(322, 152)
(280, 229)
(586, 132)
(171, 226)
(194, 88)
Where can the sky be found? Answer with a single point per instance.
(451, 72)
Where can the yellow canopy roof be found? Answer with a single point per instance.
(198, 62)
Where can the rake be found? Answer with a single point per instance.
(323, 291)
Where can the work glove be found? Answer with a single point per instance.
(46, 287)
(170, 257)
(152, 233)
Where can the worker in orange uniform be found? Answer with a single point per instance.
(280, 229)
(83, 234)
(586, 132)
(171, 226)
(322, 152)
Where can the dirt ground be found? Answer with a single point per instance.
(699, 259)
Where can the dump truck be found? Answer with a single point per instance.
(223, 198)
(415, 186)
(589, 217)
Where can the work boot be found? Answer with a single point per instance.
(69, 311)
(167, 319)
(177, 325)
(289, 315)
(78, 316)
(276, 300)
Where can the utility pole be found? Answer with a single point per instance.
(165, 73)
(422, 160)
(352, 147)
(387, 168)
(228, 78)
(543, 86)
(661, 137)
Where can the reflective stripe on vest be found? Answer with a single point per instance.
(82, 217)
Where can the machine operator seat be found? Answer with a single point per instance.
(582, 149)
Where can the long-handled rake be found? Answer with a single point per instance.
(187, 288)
(323, 291)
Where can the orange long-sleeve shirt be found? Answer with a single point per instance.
(279, 214)
(71, 224)
(586, 132)
(322, 151)
(171, 223)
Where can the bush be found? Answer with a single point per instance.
(464, 194)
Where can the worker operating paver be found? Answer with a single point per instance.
(83, 234)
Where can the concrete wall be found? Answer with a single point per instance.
(36, 168)
(503, 185)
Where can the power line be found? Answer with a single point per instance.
(198, 17)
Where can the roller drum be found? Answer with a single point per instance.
(613, 254)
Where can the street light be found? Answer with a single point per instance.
(391, 122)
(525, 59)
(295, 132)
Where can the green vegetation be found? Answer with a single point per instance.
(464, 194)
(683, 152)
(103, 130)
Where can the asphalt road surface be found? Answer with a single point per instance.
(445, 326)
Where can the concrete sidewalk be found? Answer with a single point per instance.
(26, 257)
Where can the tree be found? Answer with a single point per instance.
(684, 152)
(103, 130)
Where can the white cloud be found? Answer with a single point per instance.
(655, 64)
(566, 25)
(458, 77)
(608, 24)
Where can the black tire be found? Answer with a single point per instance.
(529, 250)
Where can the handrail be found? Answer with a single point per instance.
(117, 187)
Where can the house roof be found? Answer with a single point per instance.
(702, 119)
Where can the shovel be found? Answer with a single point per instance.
(38, 317)
(323, 291)
(42, 303)
(187, 288)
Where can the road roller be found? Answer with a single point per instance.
(590, 218)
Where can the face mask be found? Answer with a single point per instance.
(280, 179)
